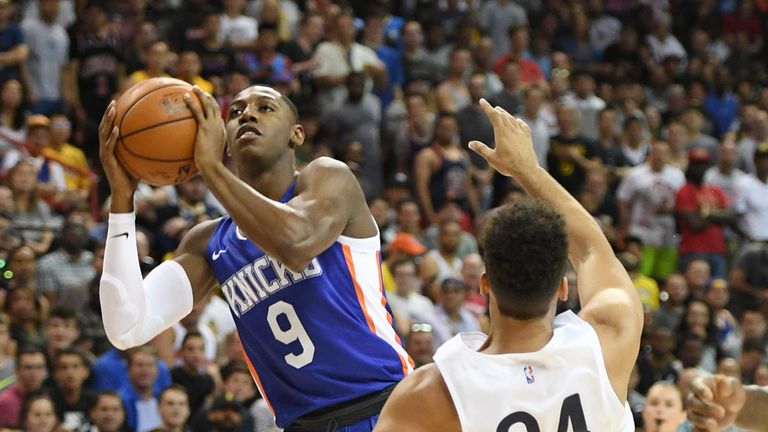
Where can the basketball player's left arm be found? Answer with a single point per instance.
(420, 403)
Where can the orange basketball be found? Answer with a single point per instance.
(157, 131)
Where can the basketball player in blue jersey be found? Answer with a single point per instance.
(297, 259)
(536, 371)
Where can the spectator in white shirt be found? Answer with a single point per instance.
(338, 57)
(238, 30)
(752, 198)
(588, 104)
(408, 305)
(664, 44)
(725, 174)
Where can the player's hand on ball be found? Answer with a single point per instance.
(211, 133)
(121, 184)
(514, 149)
(715, 402)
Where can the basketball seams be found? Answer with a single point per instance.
(146, 128)
(137, 100)
(125, 166)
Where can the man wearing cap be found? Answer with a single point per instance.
(225, 414)
(701, 211)
(752, 197)
(403, 246)
(50, 174)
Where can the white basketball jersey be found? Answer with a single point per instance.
(563, 387)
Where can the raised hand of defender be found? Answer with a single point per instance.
(715, 402)
(211, 134)
(514, 153)
(120, 182)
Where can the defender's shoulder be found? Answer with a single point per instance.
(421, 402)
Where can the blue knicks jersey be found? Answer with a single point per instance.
(312, 339)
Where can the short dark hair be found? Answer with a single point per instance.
(234, 367)
(292, 107)
(63, 313)
(28, 350)
(401, 262)
(267, 26)
(72, 352)
(146, 349)
(173, 387)
(106, 394)
(525, 249)
(442, 115)
(191, 334)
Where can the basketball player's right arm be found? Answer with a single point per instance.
(420, 403)
(135, 310)
(609, 300)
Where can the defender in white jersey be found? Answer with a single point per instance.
(535, 371)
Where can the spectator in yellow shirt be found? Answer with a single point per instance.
(646, 287)
(156, 59)
(188, 69)
(77, 174)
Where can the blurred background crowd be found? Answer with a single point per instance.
(653, 113)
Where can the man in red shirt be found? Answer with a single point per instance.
(702, 210)
(530, 72)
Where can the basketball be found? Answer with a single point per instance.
(157, 131)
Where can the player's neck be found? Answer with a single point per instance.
(273, 182)
(509, 335)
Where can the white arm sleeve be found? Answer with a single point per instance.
(135, 311)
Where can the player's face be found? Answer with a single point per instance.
(260, 122)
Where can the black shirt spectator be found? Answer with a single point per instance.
(99, 56)
(190, 374)
(562, 152)
(216, 58)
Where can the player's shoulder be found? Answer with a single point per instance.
(420, 402)
(196, 240)
(325, 171)
(423, 380)
(325, 163)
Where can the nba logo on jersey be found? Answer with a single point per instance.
(528, 370)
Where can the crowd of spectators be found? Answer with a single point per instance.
(653, 113)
